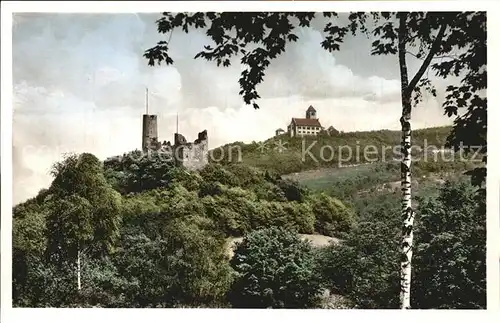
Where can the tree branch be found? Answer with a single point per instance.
(446, 56)
(408, 52)
(427, 61)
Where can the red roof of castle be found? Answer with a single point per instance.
(311, 108)
(306, 122)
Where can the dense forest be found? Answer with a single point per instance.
(138, 231)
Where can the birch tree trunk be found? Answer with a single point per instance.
(407, 211)
(78, 269)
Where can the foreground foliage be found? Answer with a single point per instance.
(275, 269)
(450, 255)
(161, 242)
(170, 248)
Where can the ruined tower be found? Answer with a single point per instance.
(149, 129)
(192, 155)
(149, 132)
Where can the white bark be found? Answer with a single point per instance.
(407, 211)
(79, 271)
(408, 215)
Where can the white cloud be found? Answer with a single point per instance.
(307, 69)
(105, 75)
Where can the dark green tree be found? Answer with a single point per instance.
(29, 241)
(450, 258)
(364, 267)
(332, 216)
(135, 172)
(84, 213)
(186, 266)
(275, 269)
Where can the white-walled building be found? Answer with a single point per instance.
(308, 126)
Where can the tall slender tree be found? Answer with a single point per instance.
(84, 215)
(260, 37)
(70, 226)
(407, 88)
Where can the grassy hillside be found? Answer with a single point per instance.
(347, 183)
(373, 164)
(369, 177)
(285, 155)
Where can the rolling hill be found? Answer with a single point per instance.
(284, 155)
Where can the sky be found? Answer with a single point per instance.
(79, 86)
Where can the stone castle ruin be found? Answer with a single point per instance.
(149, 133)
(192, 155)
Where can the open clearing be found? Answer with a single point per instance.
(317, 240)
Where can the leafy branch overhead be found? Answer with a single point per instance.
(261, 37)
(257, 37)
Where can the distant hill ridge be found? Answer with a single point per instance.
(285, 155)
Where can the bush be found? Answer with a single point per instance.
(365, 268)
(134, 172)
(275, 269)
(188, 266)
(449, 259)
(269, 192)
(218, 173)
(332, 216)
(450, 250)
(300, 217)
(46, 285)
(292, 190)
(228, 215)
(103, 286)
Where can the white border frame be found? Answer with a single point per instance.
(134, 315)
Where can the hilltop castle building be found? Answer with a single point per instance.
(192, 155)
(308, 126)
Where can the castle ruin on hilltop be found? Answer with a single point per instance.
(192, 155)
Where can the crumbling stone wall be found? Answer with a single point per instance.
(192, 155)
